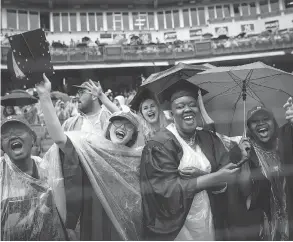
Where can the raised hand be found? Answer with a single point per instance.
(44, 86)
(288, 106)
(93, 88)
(203, 111)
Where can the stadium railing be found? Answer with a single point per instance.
(118, 53)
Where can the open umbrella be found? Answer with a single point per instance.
(60, 95)
(207, 36)
(161, 80)
(235, 90)
(18, 98)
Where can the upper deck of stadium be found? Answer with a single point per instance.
(267, 24)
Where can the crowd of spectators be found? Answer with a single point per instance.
(65, 108)
(138, 45)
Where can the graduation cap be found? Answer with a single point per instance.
(179, 89)
(29, 57)
(141, 96)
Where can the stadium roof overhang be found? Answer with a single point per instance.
(104, 4)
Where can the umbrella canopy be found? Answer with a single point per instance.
(207, 36)
(221, 37)
(228, 87)
(161, 80)
(134, 37)
(18, 98)
(61, 96)
(85, 39)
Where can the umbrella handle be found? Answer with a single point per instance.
(244, 125)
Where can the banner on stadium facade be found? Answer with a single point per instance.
(105, 36)
(222, 30)
(146, 38)
(272, 25)
(170, 36)
(195, 33)
(247, 28)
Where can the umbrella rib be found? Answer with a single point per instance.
(248, 76)
(251, 95)
(234, 110)
(253, 92)
(233, 75)
(232, 88)
(279, 90)
(278, 74)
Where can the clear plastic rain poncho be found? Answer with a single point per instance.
(113, 171)
(28, 210)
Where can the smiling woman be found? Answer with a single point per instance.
(183, 174)
(122, 129)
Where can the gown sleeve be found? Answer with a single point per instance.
(166, 196)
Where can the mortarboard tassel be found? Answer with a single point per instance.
(17, 71)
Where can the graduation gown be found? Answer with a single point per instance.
(166, 197)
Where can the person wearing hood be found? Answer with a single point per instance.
(120, 103)
(262, 180)
(271, 148)
(82, 199)
(28, 208)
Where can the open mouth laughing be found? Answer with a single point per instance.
(263, 132)
(16, 145)
(189, 119)
(120, 134)
(151, 115)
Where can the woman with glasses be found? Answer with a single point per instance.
(101, 174)
(122, 129)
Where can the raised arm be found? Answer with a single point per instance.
(203, 111)
(289, 110)
(52, 122)
(97, 91)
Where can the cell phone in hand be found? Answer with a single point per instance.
(240, 163)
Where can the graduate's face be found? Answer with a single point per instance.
(184, 110)
(17, 141)
(121, 131)
(84, 100)
(262, 126)
(150, 111)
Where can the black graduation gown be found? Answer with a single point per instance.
(166, 197)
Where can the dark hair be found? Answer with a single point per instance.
(5, 111)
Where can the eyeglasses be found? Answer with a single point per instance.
(82, 91)
(127, 126)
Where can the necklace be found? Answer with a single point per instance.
(191, 140)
